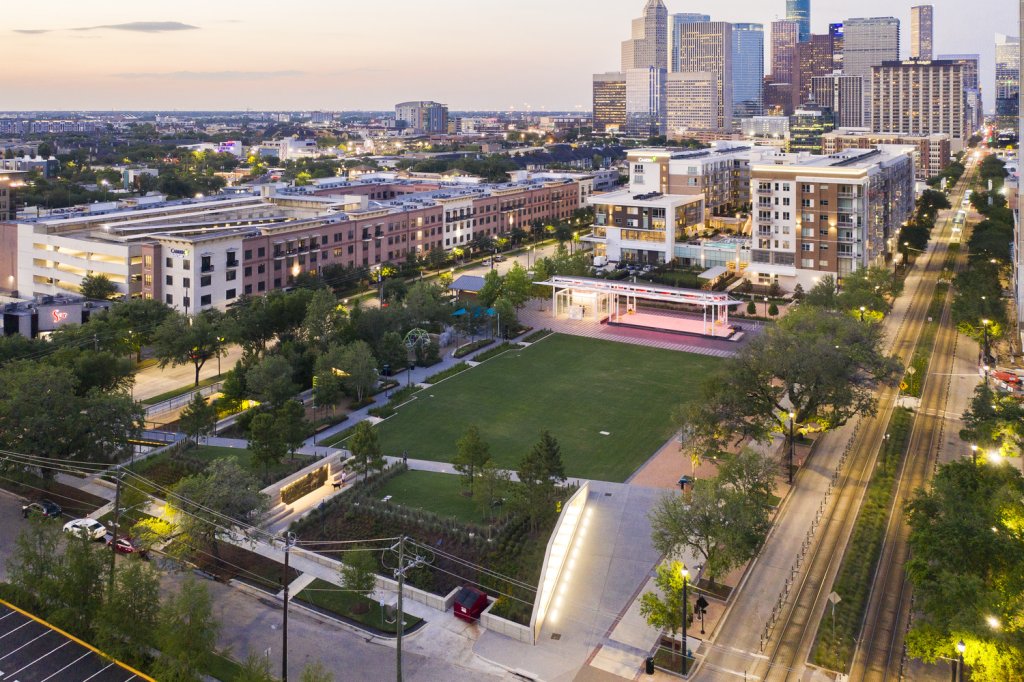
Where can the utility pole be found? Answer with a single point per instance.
(113, 542)
(399, 574)
(289, 542)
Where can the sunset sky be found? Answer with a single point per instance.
(351, 54)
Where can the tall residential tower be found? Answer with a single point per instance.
(867, 43)
(921, 32)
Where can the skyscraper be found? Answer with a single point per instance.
(814, 58)
(785, 66)
(800, 12)
(920, 98)
(678, 22)
(867, 43)
(844, 95)
(975, 111)
(1007, 77)
(921, 32)
(691, 102)
(645, 102)
(835, 32)
(747, 70)
(648, 46)
(609, 102)
(707, 46)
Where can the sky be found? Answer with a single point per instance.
(361, 54)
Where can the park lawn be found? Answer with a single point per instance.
(341, 602)
(574, 387)
(166, 470)
(433, 492)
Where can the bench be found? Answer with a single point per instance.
(322, 427)
(386, 498)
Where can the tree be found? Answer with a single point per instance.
(358, 574)
(32, 566)
(270, 381)
(471, 454)
(360, 369)
(181, 340)
(492, 485)
(824, 294)
(715, 521)
(505, 317)
(255, 668)
(265, 441)
(423, 304)
(751, 307)
(965, 556)
(366, 448)
(436, 258)
(819, 365)
(491, 289)
(97, 287)
(664, 609)
(207, 503)
(392, 352)
(773, 310)
(539, 471)
(128, 620)
(516, 286)
(186, 634)
(290, 422)
(323, 319)
(198, 418)
(994, 421)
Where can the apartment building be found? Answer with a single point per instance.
(843, 94)
(10, 180)
(197, 254)
(920, 98)
(826, 215)
(932, 152)
(719, 174)
(691, 102)
(609, 102)
(422, 117)
(643, 226)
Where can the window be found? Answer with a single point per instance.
(807, 217)
(168, 262)
(807, 247)
(186, 282)
(824, 247)
(206, 299)
(148, 279)
(248, 289)
(204, 281)
(277, 282)
(807, 262)
(824, 202)
(168, 280)
(261, 268)
(147, 261)
(807, 203)
(230, 275)
(186, 264)
(248, 254)
(261, 286)
(823, 263)
(807, 189)
(230, 294)
(168, 299)
(261, 252)
(248, 271)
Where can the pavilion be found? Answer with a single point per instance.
(617, 303)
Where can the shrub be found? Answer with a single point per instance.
(444, 374)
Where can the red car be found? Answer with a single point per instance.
(125, 545)
(470, 603)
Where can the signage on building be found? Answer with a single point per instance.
(179, 252)
(58, 315)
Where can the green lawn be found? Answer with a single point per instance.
(166, 469)
(342, 602)
(433, 492)
(572, 386)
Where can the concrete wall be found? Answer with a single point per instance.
(520, 633)
(422, 596)
(274, 490)
(554, 558)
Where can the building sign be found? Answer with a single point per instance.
(179, 252)
(58, 316)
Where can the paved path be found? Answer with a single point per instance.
(153, 380)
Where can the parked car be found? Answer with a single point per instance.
(486, 262)
(88, 528)
(470, 603)
(499, 258)
(45, 508)
(126, 545)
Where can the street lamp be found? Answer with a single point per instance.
(792, 417)
(862, 309)
(686, 579)
(960, 647)
(984, 347)
(766, 306)
(974, 455)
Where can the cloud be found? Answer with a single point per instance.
(212, 75)
(134, 26)
(142, 27)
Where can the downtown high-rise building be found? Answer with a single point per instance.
(835, 33)
(422, 117)
(609, 102)
(781, 91)
(921, 98)
(747, 70)
(678, 21)
(975, 110)
(707, 46)
(844, 95)
(1007, 91)
(648, 45)
(800, 12)
(867, 42)
(814, 58)
(691, 102)
(645, 102)
(921, 32)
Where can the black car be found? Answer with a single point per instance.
(45, 508)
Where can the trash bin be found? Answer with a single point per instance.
(649, 665)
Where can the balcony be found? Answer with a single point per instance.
(206, 267)
(232, 264)
(764, 191)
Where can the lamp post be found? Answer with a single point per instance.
(220, 340)
(974, 455)
(960, 647)
(984, 348)
(686, 579)
(792, 417)
(862, 309)
(766, 306)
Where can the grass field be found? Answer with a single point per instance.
(433, 492)
(165, 469)
(574, 387)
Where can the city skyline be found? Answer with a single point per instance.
(225, 56)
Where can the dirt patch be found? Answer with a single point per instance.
(668, 464)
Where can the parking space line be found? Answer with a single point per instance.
(87, 653)
(58, 648)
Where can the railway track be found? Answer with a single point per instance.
(791, 645)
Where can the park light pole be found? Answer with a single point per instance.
(686, 579)
(766, 306)
(974, 455)
(862, 309)
(960, 647)
(984, 348)
(792, 417)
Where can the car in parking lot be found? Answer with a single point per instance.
(89, 528)
(126, 545)
(499, 258)
(45, 508)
